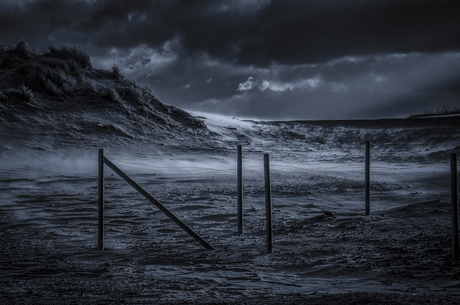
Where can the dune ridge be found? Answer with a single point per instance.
(56, 98)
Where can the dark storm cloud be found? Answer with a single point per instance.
(286, 32)
(247, 32)
(99, 24)
(36, 21)
(293, 32)
(310, 31)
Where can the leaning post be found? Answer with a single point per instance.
(454, 202)
(268, 204)
(239, 174)
(157, 203)
(100, 223)
(367, 177)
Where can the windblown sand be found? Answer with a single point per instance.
(400, 254)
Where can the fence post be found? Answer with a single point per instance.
(367, 177)
(454, 202)
(100, 223)
(268, 204)
(239, 174)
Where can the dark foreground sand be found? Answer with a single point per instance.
(400, 254)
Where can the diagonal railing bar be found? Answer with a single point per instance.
(158, 204)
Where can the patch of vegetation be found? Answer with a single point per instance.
(3, 97)
(70, 53)
(60, 70)
(43, 77)
(116, 73)
(89, 86)
(21, 50)
(130, 93)
(26, 93)
(439, 110)
(12, 54)
(57, 70)
(147, 90)
(67, 73)
(112, 95)
(50, 87)
(6, 60)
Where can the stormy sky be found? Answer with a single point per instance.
(268, 59)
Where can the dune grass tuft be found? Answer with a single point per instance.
(3, 97)
(112, 95)
(89, 86)
(18, 52)
(116, 73)
(53, 80)
(62, 70)
(6, 60)
(21, 49)
(147, 90)
(26, 93)
(70, 53)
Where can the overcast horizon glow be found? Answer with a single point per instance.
(260, 58)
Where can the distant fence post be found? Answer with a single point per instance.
(454, 202)
(367, 177)
(268, 204)
(100, 223)
(239, 174)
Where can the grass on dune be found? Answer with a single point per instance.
(61, 70)
(64, 74)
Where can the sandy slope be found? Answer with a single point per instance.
(55, 98)
(401, 254)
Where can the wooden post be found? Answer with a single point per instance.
(367, 177)
(100, 179)
(454, 202)
(239, 175)
(158, 204)
(268, 204)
